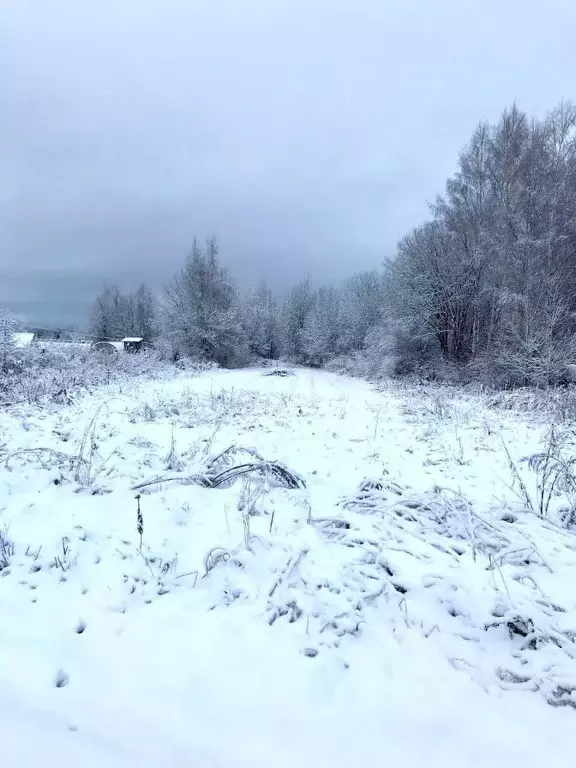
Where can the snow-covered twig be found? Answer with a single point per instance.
(290, 566)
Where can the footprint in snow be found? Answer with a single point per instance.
(62, 679)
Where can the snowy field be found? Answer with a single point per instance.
(321, 574)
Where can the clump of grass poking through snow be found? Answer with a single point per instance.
(173, 461)
(278, 472)
(89, 465)
(62, 559)
(139, 519)
(6, 550)
(220, 472)
(214, 557)
(555, 475)
(554, 469)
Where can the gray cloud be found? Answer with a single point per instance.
(309, 135)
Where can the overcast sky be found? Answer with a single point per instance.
(309, 135)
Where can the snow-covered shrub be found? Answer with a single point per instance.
(539, 362)
(554, 405)
(416, 355)
(364, 364)
(57, 372)
(545, 482)
(374, 360)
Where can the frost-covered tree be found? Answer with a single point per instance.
(201, 316)
(115, 315)
(110, 316)
(362, 300)
(321, 324)
(295, 314)
(489, 281)
(262, 322)
(8, 327)
(322, 331)
(144, 313)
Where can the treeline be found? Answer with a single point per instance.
(115, 315)
(202, 314)
(486, 287)
(483, 290)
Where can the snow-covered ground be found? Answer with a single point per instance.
(380, 595)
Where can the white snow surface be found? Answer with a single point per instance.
(22, 339)
(422, 618)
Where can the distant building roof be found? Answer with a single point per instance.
(22, 339)
(131, 339)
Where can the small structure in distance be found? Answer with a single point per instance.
(127, 344)
(107, 347)
(133, 343)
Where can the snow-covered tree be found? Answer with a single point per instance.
(362, 300)
(261, 322)
(8, 326)
(115, 315)
(299, 305)
(489, 281)
(322, 331)
(144, 311)
(110, 317)
(201, 316)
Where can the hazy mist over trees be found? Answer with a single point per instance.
(482, 290)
